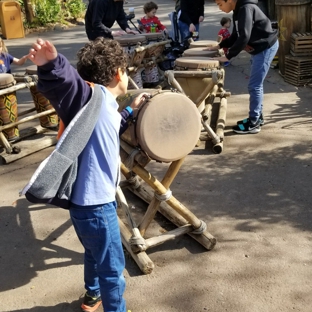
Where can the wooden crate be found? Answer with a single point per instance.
(298, 70)
(301, 44)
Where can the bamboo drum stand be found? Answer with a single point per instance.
(159, 198)
(213, 89)
(13, 152)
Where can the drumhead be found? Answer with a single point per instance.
(168, 126)
(203, 43)
(154, 36)
(196, 63)
(31, 70)
(6, 80)
(130, 40)
(199, 52)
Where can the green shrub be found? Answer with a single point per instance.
(48, 11)
(75, 8)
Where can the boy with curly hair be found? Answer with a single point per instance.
(92, 204)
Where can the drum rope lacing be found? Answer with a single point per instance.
(163, 197)
(202, 228)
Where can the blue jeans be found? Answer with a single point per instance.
(184, 30)
(260, 65)
(98, 230)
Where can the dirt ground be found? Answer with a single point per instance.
(254, 196)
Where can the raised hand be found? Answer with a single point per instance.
(42, 52)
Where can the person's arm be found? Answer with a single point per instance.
(121, 17)
(245, 24)
(202, 10)
(159, 24)
(128, 111)
(20, 61)
(99, 10)
(58, 81)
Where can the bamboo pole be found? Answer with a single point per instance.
(145, 264)
(206, 239)
(17, 87)
(154, 204)
(217, 148)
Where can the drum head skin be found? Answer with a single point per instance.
(31, 70)
(129, 40)
(168, 126)
(199, 52)
(6, 81)
(196, 63)
(203, 43)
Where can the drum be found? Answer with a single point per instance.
(137, 78)
(150, 74)
(129, 43)
(166, 127)
(42, 104)
(203, 43)
(199, 52)
(193, 86)
(8, 107)
(152, 38)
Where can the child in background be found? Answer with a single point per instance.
(252, 32)
(224, 33)
(7, 59)
(150, 22)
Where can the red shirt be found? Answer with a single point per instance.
(148, 22)
(224, 33)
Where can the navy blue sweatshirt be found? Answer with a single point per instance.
(101, 16)
(252, 30)
(66, 90)
(191, 11)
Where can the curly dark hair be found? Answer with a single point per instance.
(99, 60)
(224, 20)
(149, 6)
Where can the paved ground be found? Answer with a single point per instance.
(255, 197)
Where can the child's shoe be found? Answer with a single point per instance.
(261, 120)
(247, 127)
(226, 64)
(90, 304)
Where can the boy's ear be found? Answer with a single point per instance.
(119, 74)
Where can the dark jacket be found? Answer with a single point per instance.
(101, 16)
(191, 10)
(252, 30)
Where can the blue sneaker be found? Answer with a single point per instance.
(261, 120)
(226, 64)
(247, 127)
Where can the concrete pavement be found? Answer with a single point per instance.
(255, 197)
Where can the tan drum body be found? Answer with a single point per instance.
(8, 107)
(151, 39)
(203, 44)
(193, 86)
(199, 52)
(167, 127)
(129, 43)
(42, 104)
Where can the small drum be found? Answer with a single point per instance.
(150, 74)
(203, 43)
(8, 107)
(166, 127)
(193, 86)
(199, 52)
(137, 78)
(42, 104)
(129, 43)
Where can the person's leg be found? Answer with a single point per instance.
(260, 65)
(184, 30)
(98, 230)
